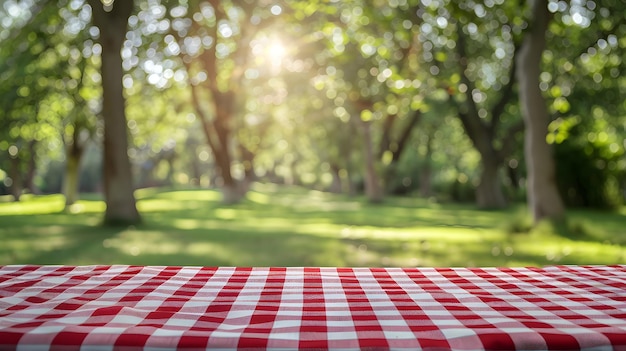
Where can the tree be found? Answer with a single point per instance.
(25, 59)
(483, 133)
(112, 21)
(544, 201)
(369, 75)
(214, 41)
(469, 49)
(43, 64)
(584, 70)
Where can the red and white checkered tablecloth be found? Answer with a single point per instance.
(167, 308)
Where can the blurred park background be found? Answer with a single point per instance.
(313, 133)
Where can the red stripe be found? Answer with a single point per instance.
(260, 325)
(313, 327)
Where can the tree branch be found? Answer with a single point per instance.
(461, 50)
(406, 134)
(207, 127)
(505, 96)
(385, 140)
(509, 141)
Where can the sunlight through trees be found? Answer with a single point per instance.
(430, 98)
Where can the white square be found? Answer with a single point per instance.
(334, 297)
(454, 333)
(440, 322)
(107, 330)
(390, 312)
(337, 313)
(421, 296)
(72, 320)
(392, 322)
(571, 331)
(517, 330)
(284, 336)
(536, 312)
(131, 320)
(496, 321)
(278, 324)
(286, 312)
(112, 296)
(339, 323)
(437, 313)
(290, 305)
(246, 302)
(290, 296)
(225, 334)
(230, 326)
(166, 332)
(194, 304)
(179, 322)
(380, 303)
(54, 280)
(148, 303)
(51, 329)
(96, 348)
(239, 314)
(153, 348)
(399, 335)
(27, 347)
(588, 312)
(11, 300)
(34, 311)
(347, 335)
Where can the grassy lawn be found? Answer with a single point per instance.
(297, 227)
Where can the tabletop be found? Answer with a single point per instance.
(175, 308)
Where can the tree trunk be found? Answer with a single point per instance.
(346, 155)
(218, 125)
(336, 185)
(71, 181)
(396, 147)
(489, 192)
(218, 136)
(15, 173)
(195, 170)
(31, 168)
(373, 189)
(483, 132)
(425, 179)
(544, 200)
(171, 170)
(232, 191)
(227, 183)
(118, 184)
(426, 173)
(247, 161)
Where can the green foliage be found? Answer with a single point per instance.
(590, 167)
(295, 113)
(50, 181)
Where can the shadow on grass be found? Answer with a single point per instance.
(288, 227)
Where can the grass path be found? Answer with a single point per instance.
(297, 227)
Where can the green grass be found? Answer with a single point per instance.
(297, 227)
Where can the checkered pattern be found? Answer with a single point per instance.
(167, 308)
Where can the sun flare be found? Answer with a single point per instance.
(277, 49)
(270, 52)
(276, 52)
